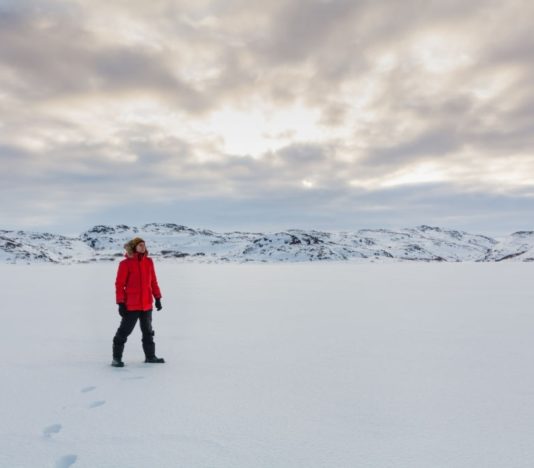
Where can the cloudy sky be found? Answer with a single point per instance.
(231, 114)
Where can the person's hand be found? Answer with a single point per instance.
(122, 309)
(158, 304)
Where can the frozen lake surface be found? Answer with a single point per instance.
(400, 365)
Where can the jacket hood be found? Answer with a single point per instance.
(132, 244)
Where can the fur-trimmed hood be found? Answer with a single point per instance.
(131, 245)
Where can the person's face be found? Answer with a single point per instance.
(140, 248)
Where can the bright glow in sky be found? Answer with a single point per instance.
(254, 131)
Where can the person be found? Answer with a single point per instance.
(135, 286)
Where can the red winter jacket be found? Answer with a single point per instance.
(136, 282)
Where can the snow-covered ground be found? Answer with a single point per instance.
(400, 365)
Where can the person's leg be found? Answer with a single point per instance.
(145, 322)
(126, 327)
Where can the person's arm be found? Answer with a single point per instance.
(155, 286)
(120, 283)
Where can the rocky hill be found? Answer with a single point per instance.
(173, 242)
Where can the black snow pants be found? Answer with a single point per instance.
(126, 327)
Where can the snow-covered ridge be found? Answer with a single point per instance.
(173, 242)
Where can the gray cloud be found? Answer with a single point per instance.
(433, 142)
(57, 57)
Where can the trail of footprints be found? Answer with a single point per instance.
(68, 460)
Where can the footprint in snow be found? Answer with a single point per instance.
(52, 429)
(87, 389)
(94, 404)
(66, 460)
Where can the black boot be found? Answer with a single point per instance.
(118, 348)
(155, 360)
(149, 347)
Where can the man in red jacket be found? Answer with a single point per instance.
(135, 286)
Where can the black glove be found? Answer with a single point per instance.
(158, 304)
(122, 309)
